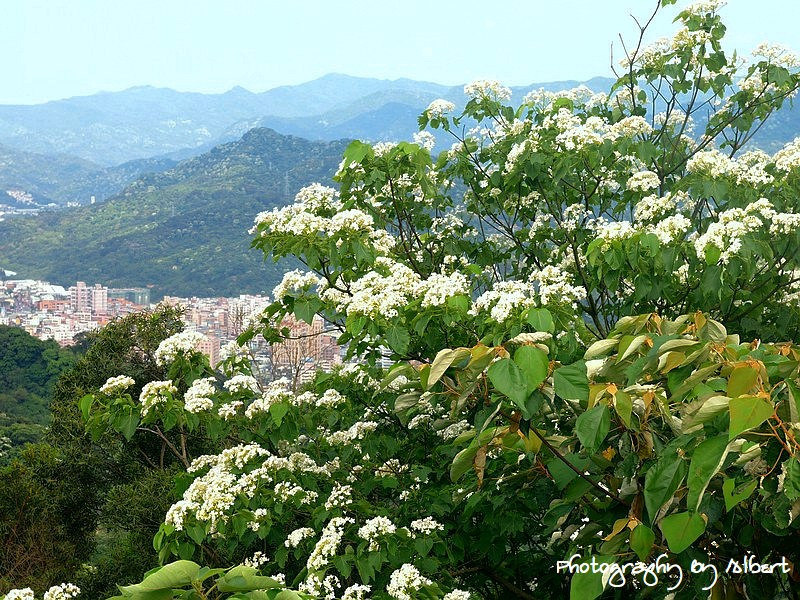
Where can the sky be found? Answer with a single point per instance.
(55, 49)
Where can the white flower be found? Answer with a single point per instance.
(483, 88)
(356, 592)
(255, 561)
(426, 526)
(116, 384)
(184, 343)
(20, 594)
(437, 288)
(341, 496)
(457, 595)
(298, 535)
(198, 397)
(328, 543)
(65, 591)
(155, 393)
(438, 108)
(451, 432)
(375, 528)
(241, 383)
(425, 139)
(405, 581)
(294, 282)
(643, 181)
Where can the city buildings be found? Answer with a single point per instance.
(53, 312)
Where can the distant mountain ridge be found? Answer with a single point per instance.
(110, 128)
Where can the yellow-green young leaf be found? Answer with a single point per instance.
(734, 494)
(642, 539)
(623, 406)
(588, 586)
(748, 412)
(670, 360)
(593, 426)
(741, 381)
(508, 379)
(662, 480)
(707, 458)
(628, 345)
(600, 348)
(442, 362)
(682, 529)
(534, 365)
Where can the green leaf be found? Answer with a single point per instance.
(642, 539)
(707, 458)
(534, 364)
(741, 381)
(463, 462)
(748, 412)
(277, 411)
(541, 319)
(588, 586)
(661, 481)
(571, 383)
(174, 575)
(791, 483)
(398, 339)
(245, 579)
(508, 379)
(127, 422)
(85, 404)
(682, 529)
(600, 348)
(734, 494)
(593, 426)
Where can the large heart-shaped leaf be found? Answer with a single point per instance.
(682, 529)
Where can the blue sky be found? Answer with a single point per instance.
(55, 48)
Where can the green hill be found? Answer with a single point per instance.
(28, 369)
(182, 231)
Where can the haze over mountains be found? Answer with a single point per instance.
(181, 227)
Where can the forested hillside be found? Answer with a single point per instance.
(182, 231)
(28, 370)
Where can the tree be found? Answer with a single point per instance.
(556, 291)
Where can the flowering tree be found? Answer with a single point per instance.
(530, 417)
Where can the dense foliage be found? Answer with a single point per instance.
(589, 314)
(28, 370)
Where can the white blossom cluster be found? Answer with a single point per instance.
(181, 343)
(357, 431)
(257, 560)
(643, 181)
(787, 159)
(727, 233)
(20, 594)
(155, 393)
(275, 392)
(457, 595)
(555, 286)
(241, 383)
(65, 591)
(357, 592)
(439, 108)
(436, 289)
(340, 496)
(298, 535)
(374, 528)
(484, 88)
(404, 581)
(452, 431)
(294, 282)
(328, 543)
(503, 299)
(198, 397)
(426, 526)
(115, 385)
